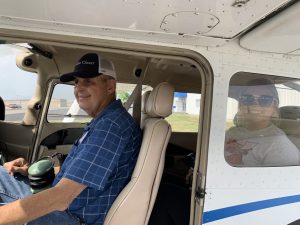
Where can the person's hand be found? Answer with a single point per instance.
(233, 155)
(19, 165)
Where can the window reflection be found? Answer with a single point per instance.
(256, 135)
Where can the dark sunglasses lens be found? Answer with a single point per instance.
(247, 99)
(265, 100)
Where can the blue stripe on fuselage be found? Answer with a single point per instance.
(222, 213)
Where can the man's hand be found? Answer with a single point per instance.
(19, 165)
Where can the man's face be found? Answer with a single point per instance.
(94, 94)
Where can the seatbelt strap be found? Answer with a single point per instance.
(131, 98)
(136, 96)
(136, 110)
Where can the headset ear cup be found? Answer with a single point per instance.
(39, 184)
(41, 178)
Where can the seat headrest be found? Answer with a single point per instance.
(145, 97)
(160, 101)
(289, 121)
(290, 112)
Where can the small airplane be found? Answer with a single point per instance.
(210, 51)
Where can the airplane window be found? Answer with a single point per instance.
(65, 109)
(263, 121)
(13, 91)
(185, 116)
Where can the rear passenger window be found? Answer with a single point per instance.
(263, 121)
(65, 109)
(16, 85)
(185, 116)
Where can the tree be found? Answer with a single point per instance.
(123, 96)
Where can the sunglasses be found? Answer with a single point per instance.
(263, 100)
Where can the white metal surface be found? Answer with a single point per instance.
(227, 186)
(281, 34)
(172, 21)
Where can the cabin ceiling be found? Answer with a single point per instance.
(184, 76)
(197, 22)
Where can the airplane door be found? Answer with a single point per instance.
(253, 173)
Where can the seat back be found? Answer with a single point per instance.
(290, 123)
(134, 204)
(2, 109)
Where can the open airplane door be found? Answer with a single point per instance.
(201, 48)
(262, 185)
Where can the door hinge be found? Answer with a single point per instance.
(200, 193)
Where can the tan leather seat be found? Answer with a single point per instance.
(144, 114)
(290, 123)
(134, 204)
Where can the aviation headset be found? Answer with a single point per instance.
(41, 172)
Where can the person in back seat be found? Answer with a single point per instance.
(256, 141)
(98, 166)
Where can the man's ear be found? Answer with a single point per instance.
(111, 86)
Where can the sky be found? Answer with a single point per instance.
(14, 82)
(19, 84)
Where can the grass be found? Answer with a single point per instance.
(180, 122)
(183, 122)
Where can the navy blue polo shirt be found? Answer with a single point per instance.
(103, 160)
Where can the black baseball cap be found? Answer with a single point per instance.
(90, 65)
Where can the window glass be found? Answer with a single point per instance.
(64, 107)
(17, 86)
(185, 116)
(263, 121)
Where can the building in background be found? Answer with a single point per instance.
(179, 104)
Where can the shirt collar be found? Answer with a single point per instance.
(109, 108)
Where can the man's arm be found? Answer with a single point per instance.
(57, 198)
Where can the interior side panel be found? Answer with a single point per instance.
(16, 139)
(187, 140)
(58, 137)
